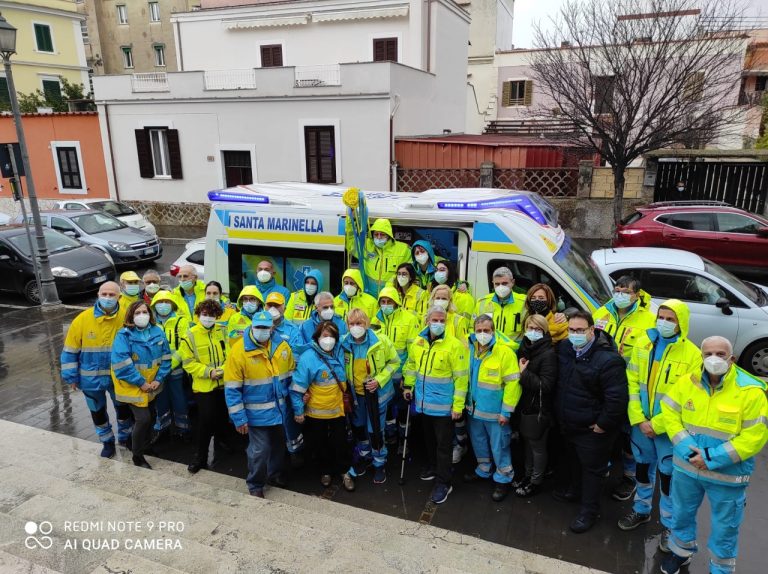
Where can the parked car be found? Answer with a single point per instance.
(731, 237)
(77, 268)
(194, 254)
(5, 219)
(126, 245)
(720, 303)
(122, 211)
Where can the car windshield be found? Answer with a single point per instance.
(113, 208)
(93, 223)
(55, 241)
(579, 266)
(746, 289)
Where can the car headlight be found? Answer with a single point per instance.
(63, 272)
(117, 246)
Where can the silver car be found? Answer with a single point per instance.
(720, 303)
(126, 245)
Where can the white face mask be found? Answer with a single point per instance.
(327, 343)
(327, 314)
(403, 280)
(261, 334)
(207, 321)
(502, 291)
(357, 331)
(422, 258)
(275, 312)
(483, 338)
(350, 290)
(442, 303)
(310, 289)
(716, 366)
(533, 335)
(141, 321)
(152, 288)
(263, 276)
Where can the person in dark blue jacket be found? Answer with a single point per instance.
(265, 275)
(590, 404)
(324, 311)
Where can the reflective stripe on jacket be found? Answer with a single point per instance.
(728, 424)
(382, 362)
(175, 329)
(299, 308)
(494, 381)
(379, 265)
(626, 331)
(138, 358)
(202, 351)
(401, 327)
(320, 375)
(507, 315)
(181, 302)
(87, 354)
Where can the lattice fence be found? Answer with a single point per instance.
(424, 179)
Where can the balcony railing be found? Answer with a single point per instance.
(751, 98)
(314, 76)
(230, 79)
(150, 82)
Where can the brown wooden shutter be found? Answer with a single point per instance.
(506, 93)
(528, 96)
(144, 151)
(385, 50)
(319, 142)
(174, 153)
(271, 56)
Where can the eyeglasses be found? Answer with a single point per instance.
(578, 331)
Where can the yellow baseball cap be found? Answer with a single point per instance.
(276, 298)
(129, 276)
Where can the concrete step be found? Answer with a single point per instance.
(10, 563)
(46, 476)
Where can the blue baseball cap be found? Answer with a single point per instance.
(262, 319)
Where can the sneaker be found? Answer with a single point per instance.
(440, 493)
(664, 542)
(258, 493)
(360, 467)
(379, 475)
(500, 492)
(348, 481)
(625, 489)
(582, 523)
(427, 474)
(458, 453)
(672, 563)
(326, 480)
(528, 489)
(108, 449)
(633, 520)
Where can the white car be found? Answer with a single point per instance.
(194, 254)
(720, 303)
(122, 211)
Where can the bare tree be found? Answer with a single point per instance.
(639, 75)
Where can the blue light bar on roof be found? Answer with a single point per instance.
(521, 203)
(236, 197)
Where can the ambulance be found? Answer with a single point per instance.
(302, 226)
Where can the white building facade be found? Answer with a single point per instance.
(309, 91)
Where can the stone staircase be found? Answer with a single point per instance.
(48, 477)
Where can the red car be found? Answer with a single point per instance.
(729, 236)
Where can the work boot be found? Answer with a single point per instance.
(672, 563)
(664, 542)
(379, 475)
(633, 520)
(141, 461)
(348, 481)
(197, 466)
(108, 449)
(440, 493)
(582, 523)
(625, 489)
(458, 453)
(258, 493)
(427, 474)
(499, 492)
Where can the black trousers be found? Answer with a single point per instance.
(143, 421)
(587, 456)
(211, 421)
(438, 438)
(327, 438)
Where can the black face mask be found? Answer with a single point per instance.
(539, 308)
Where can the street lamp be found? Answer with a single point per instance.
(48, 295)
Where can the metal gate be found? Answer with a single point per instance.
(742, 184)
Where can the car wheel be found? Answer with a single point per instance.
(755, 358)
(31, 292)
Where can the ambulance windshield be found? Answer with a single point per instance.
(579, 266)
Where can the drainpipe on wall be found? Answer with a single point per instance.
(392, 161)
(181, 53)
(111, 153)
(429, 35)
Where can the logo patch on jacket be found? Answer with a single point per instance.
(134, 357)
(688, 406)
(324, 374)
(90, 335)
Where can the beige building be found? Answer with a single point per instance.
(130, 36)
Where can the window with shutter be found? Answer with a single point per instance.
(385, 50)
(237, 168)
(693, 90)
(159, 153)
(52, 90)
(517, 93)
(69, 168)
(320, 150)
(43, 38)
(603, 94)
(272, 56)
(144, 152)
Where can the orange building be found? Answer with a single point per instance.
(65, 154)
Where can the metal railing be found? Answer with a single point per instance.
(150, 82)
(230, 79)
(313, 76)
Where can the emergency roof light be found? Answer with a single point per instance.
(236, 197)
(521, 203)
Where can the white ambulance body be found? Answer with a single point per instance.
(301, 226)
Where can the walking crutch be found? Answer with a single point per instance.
(405, 443)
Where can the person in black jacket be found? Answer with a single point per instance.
(590, 405)
(538, 376)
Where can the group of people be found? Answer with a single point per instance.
(334, 380)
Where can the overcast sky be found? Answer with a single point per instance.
(528, 12)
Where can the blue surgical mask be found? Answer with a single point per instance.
(162, 308)
(387, 309)
(533, 335)
(437, 329)
(441, 277)
(250, 307)
(578, 340)
(622, 300)
(107, 303)
(380, 242)
(132, 290)
(187, 284)
(665, 328)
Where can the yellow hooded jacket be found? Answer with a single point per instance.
(175, 328)
(240, 321)
(361, 300)
(379, 265)
(625, 331)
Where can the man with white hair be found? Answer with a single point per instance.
(503, 305)
(716, 420)
(324, 311)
